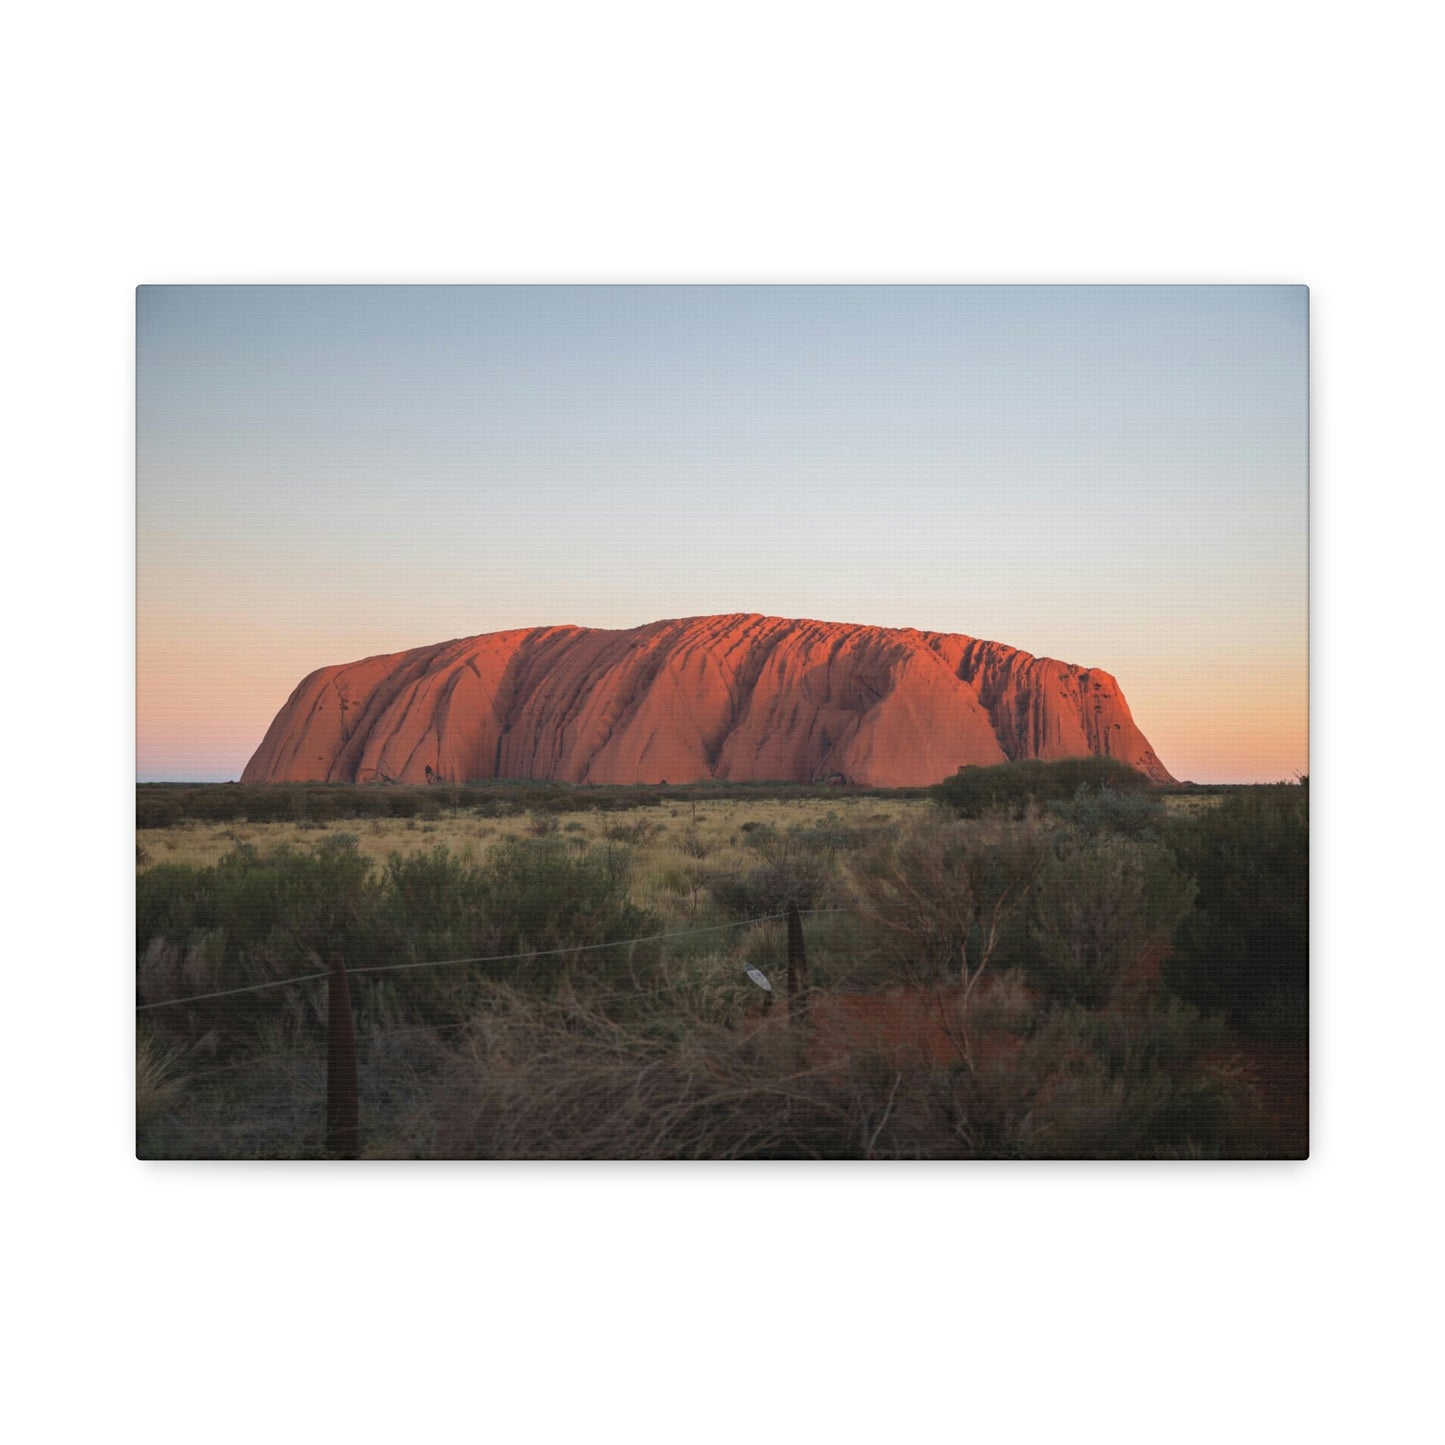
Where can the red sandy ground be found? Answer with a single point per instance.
(899, 1021)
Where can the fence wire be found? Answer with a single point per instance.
(315, 1052)
(489, 958)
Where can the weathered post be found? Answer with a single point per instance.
(797, 969)
(342, 1122)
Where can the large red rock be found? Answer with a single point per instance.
(740, 697)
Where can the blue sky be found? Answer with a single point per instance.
(1111, 475)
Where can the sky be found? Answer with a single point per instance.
(1113, 476)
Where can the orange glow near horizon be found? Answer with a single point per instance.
(1268, 742)
(210, 711)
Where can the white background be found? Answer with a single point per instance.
(651, 142)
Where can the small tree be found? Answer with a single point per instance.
(1101, 909)
(937, 901)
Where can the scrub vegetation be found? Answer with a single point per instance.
(1067, 966)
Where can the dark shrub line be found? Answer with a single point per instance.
(972, 791)
(166, 805)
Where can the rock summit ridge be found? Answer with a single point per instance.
(738, 697)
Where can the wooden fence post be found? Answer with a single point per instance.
(797, 969)
(342, 1121)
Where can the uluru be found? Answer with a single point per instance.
(737, 698)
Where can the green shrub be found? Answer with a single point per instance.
(157, 812)
(1100, 909)
(250, 919)
(1015, 787)
(285, 898)
(1093, 812)
(438, 887)
(770, 888)
(1245, 951)
(537, 894)
(936, 902)
(254, 918)
(527, 896)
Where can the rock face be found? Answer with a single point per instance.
(738, 697)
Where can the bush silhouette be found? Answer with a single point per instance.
(1014, 787)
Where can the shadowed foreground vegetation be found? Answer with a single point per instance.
(1075, 975)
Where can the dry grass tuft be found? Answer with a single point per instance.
(564, 1080)
(157, 1080)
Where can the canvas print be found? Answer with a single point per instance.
(722, 722)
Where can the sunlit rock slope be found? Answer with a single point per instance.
(737, 697)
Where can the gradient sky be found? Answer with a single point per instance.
(1114, 476)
